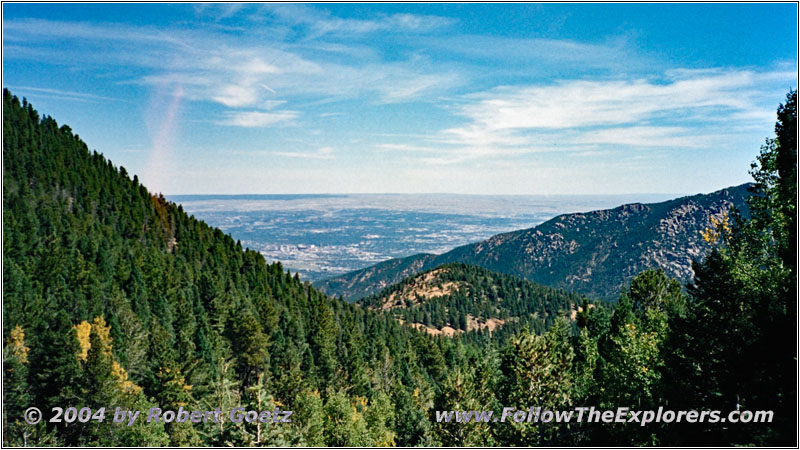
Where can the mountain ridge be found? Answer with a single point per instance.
(616, 244)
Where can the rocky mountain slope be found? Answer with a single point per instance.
(594, 253)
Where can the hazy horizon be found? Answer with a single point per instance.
(320, 236)
(333, 194)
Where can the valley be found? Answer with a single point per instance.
(323, 236)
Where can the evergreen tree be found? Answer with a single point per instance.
(744, 306)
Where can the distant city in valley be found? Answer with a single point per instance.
(320, 236)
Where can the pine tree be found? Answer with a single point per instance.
(743, 307)
(16, 392)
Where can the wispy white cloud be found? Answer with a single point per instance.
(71, 95)
(256, 119)
(320, 153)
(684, 109)
(580, 103)
(621, 111)
(321, 22)
(235, 73)
(537, 54)
(219, 11)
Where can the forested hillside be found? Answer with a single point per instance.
(457, 298)
(114, 297)
(595, 253)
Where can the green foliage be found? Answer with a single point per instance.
(537, 371)
(732, 350)
(466, 298)
(193, 320)
(16, 395)
(114, 296)
(310, 419)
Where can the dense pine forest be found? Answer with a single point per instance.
(481, 304)
(113, 296)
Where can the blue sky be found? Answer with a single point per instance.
(457, 98)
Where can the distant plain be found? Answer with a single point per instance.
(321, 236)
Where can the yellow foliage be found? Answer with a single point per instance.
(16, 344)
(720, 227)
(103, 331)
(83, 330)
(121, 376)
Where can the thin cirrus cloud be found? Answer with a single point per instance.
(400, 22)
(685, 106)
(691, 109)
(257, 119)
(218, 68)
(541, 55)
(68, 95)
(320, 22)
